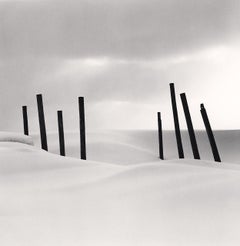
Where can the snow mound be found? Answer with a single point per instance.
(105, 146)
(141, 146)
(15, 137)
(49, 200)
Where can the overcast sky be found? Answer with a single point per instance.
(120, 55)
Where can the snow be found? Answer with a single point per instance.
(46, 199)
(141, 146)
(15, 137)
(115, 147)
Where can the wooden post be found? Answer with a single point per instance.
(61, 133)
(176, 121)
(25, 120)
(82, 128)
(210, 133)
(42, 122)
(160, 136)
(190, 126)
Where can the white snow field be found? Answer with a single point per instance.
(130, 199)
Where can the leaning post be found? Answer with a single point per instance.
(210, 133)
(190, 126)
(176, 121)
(42, 122)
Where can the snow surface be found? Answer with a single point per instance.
(15, 137)
(50, 200)
(141, 146)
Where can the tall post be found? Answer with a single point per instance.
(160, 136)
(61, 133)
(190, 126)
(210, 133)
(25, 120)
(176, 121)
(42, 122)
(82, 128)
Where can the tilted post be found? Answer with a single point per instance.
(42, 122)
(82, 128)
(160, 136)
(190, 126)
(210, 133)
(176, 121)
(25, 120)
(61, 133)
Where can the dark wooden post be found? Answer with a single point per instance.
(160, 136)
(176, 121)
(25, 120)
(42, 122)
(210, 133)
(82, 128)
(190, 126)
(61, 133)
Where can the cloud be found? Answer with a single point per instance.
(133, 29)
(120, 55)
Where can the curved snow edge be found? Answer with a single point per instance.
(15, 137)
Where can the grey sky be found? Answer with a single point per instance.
(120, 55)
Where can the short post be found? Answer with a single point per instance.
(61, 133)
(190, 126)
(25, 120)
(176, 121)
(82, 128)
(160, 136)
(210, 133)
(42, 122)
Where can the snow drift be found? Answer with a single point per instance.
(15, 137)
(50, 200)
(139, 146)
